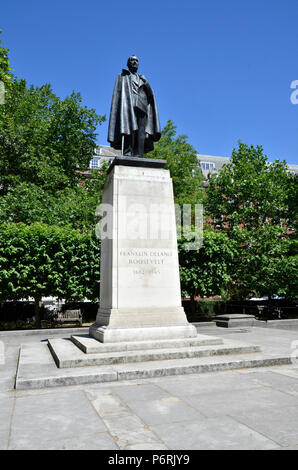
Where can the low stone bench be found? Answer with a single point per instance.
(235, 320)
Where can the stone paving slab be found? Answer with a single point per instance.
(6, 409)
(212, 434)
(56, 419)
(126, 427)
(215, 406)
(276, 422)
(165, 410)
(94, 441)
(281, 380)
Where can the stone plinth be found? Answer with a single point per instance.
(140, 296)
(235, 320)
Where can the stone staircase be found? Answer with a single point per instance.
(81, 359)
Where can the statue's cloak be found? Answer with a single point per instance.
(122, 116)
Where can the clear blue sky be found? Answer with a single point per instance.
(221, 70)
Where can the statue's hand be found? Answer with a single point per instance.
(147, 86)
(144, 79)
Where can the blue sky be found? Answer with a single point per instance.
(221, 70)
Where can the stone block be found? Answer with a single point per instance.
(235, 320)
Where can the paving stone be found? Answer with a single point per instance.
(95, 441)
(148, 446)
(212, 434)
(51, 417)
(164, 410)
(276, 423)
(292, 372)
(127, 430)
(6, 408)
(205, 383)
(142, 392)
(106, 402)
(7, 384)
(217, 404)
(277, 380)
(289, 448)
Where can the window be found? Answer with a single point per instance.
(207, 166)
(94, 163)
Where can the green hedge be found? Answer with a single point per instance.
(41, 260)
(204, 309)
(209, 307)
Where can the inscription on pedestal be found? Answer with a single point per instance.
(146, 262)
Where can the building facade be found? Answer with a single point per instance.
(209, 164)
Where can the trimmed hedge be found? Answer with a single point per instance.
(41, 260)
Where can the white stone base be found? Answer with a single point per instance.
(107, 334)
(141, 317)
(140, 296)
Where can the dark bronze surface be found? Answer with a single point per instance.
(134, 122)
(139, 162)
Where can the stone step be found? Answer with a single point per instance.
(89, 345)
(67, 355)
(37, 368)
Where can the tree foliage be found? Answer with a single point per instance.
(205, 271)
(249, 190)
(46, 145)
(267, 263)
(250, 201)
(74, 206)
(44, 140)
(182, 161)
(41, 260)
(5, 74)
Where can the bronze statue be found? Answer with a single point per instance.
(134, 123)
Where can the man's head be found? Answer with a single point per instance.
(133, 63)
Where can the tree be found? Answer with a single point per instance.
(29, 203)
(267, 263)
(205, 271)
(5, 74)
(44, 140)
(45, 143)
(249, 201)
(40, 260)
(182, 161)
(292, 204)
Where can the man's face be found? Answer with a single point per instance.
(133, 64)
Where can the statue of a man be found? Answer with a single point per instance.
(134, 123)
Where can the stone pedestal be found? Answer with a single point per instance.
(140, 298)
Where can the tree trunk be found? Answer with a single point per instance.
(37, 305)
